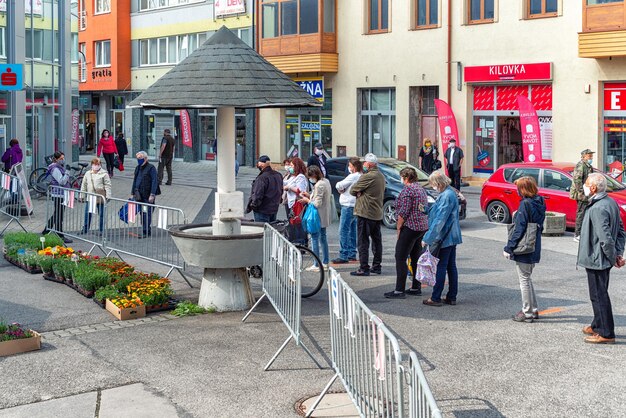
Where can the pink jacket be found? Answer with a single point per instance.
(106, 146)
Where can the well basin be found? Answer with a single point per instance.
(199, 247)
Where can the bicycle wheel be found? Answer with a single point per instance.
(311, 278)
(42, 183)
(34, 176)
(75, 182)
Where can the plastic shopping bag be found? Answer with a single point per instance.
(311, 220)
(427, 268)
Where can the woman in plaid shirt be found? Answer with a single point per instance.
(412, 224)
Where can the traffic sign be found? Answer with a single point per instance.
(11, 77)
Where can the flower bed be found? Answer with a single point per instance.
(14, 339)
(20, 249)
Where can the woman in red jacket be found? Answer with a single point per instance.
(106, 147)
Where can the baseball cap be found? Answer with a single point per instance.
(587, 151)
(319, 145)
(264, 159)
(371, 158)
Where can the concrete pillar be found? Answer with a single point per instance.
(65, 77)
(16, 55)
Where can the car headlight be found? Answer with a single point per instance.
(623, 207)
(431, 200)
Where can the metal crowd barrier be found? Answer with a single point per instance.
(282, 264)
(143, 231)
(422, 403)
(11, 200)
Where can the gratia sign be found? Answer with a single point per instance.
(229, 7)
(509, 72)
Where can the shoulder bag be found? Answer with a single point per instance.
(526, 244)
(101, 192)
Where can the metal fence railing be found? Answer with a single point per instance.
(11, 200)
(366, 358)
(282, 263)
(116, 225)
(422, 403)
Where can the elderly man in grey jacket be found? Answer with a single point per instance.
(601, 247)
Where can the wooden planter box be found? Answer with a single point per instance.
(8, 348)
(124, 314)
(554, 224)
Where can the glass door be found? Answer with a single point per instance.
(484, 144)
(292, 125)
(310, 127)
(118, 122)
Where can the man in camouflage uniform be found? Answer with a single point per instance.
(582, 170)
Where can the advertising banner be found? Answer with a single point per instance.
(37, 7)
(312, 85)
(18, 169)
(531, 134)
(185, 127)
(508, 72)
(229, 7)
(75, 115)
(447, 124)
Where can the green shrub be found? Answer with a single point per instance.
(107, 292)
(89, 277)
(46, 262)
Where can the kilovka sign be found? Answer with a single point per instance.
(11, 77)
(229, 7)
(312, 85)
(508, 72)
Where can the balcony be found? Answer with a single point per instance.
(298, 36)
(604, 29)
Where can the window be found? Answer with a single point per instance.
(103, 53)
(102, 6)
(34, 44)
(378, 12)
(289, 17)
(270, 20)
(329, 16)
(158, 4)
(512, 174)
(427, 13)
(594, 2)
(3, 52)
(83, 64)
(554, 180)
(337, 168)
(481, 11)
(378, 121)
(542, 8)
(309, 16)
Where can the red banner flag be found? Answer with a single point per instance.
(531, 135)
(447, 124)
(185, 127)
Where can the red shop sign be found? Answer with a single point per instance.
(615, 96)
(509, 72)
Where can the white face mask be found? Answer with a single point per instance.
(452, 145)
(586, 189)
(287, 168)
(350, 170)
(95, 167)
(318, 152)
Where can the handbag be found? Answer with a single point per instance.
(311, 222)
(116, 162)
(436, 165)
(526, 244)
(101, 192)
(296, 213)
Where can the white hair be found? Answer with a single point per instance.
(143, 154)
(439, 180)
(597, 180)
(371, 158)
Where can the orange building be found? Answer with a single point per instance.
(105, 66)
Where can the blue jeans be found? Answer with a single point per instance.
(315, 238)
(447, 264)
(347, 233)
(262, 217)
(87, 223)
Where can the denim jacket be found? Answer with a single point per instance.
(443, 220)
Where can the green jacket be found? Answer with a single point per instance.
(369, 191)
(579, 175)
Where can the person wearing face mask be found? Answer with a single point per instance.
(532, 209)
(601, 247)
(347, 221)
(318, 158)
(296, 183)
(266, 193)
(368, 209)
(59, 178)
(96, 181)
(579, 177)
(320, 197)
(444, 234)
(144, 189)
(454, 160)
(428, 157)
(107, 147)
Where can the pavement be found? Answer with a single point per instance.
(478, 362)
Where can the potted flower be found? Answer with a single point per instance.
(15, 339)
(124, 308)
(554, 224)
(104, 293)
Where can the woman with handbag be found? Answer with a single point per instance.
(526, 230)
(293, 185)
(107, 147)
(320, 198)
(96, 181)
(428, 157)
(444, 234)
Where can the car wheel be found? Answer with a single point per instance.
(498, 212)
(389, 214)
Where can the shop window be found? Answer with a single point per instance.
(378, 117)
(103, 53)
(427, 13)
(481, 11)
(102, 6)
(541, 8)
(378, 16)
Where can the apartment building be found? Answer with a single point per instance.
(393, 58)
(148, 38)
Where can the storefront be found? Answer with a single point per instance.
(306, 127)
(614, 126)
(495, 130)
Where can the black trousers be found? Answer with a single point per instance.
(366, 229)
(455, 176)
(409, 243)
(109, 160)
(56, 220)
(599, 294)
(580, 212)
(166, 162)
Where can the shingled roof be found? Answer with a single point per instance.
(224, 72)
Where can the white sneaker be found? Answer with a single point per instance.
(577, 239)
(325, 266)
(312, 268)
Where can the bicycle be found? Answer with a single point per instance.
(44, 178)
(311, 279)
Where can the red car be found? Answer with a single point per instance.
(499, 198)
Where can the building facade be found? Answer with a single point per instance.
(151, 37)
(395, 58)
(42, 36)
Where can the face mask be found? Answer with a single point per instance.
(365, 169)
(586, 189)
(313, 181)
(140, 161)
(318, 152)
(590, 161)
(287, 168)
(61, 161)
(95, 167)
(452, 145)
(291, 170)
